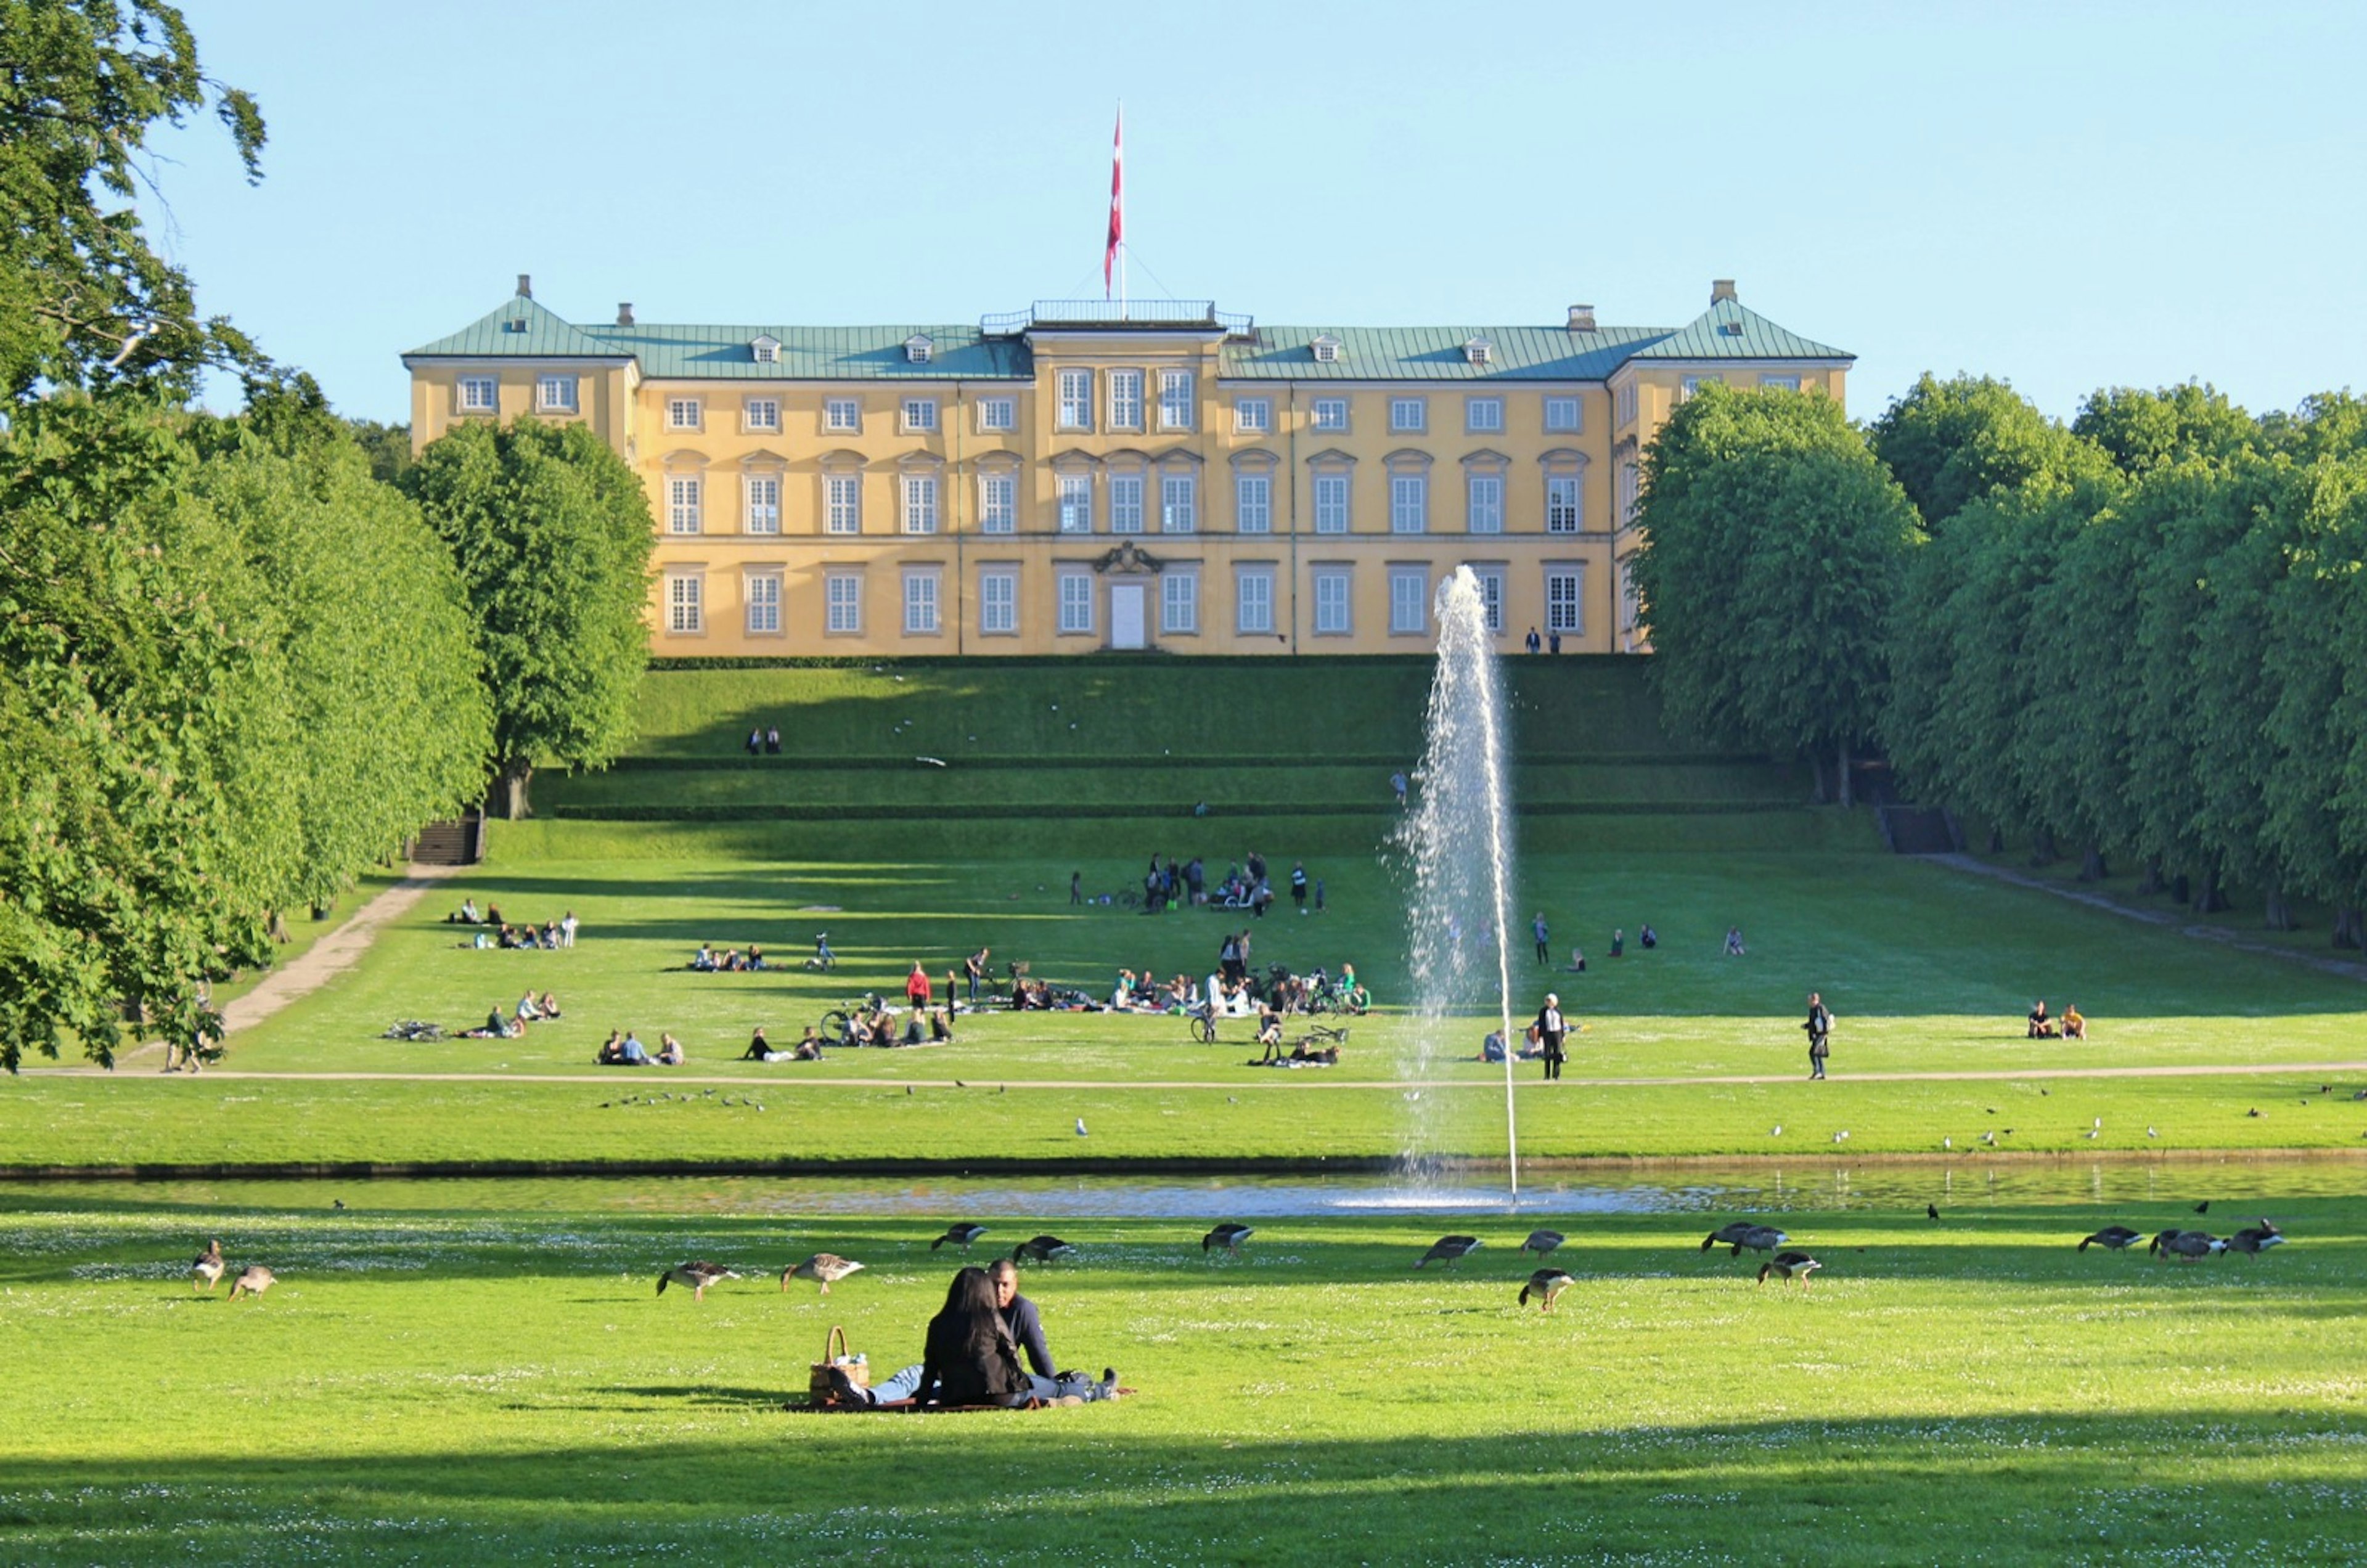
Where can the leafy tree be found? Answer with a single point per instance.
(2141, 430)
(1950, 443)
(1771, 529)
(2327, 424)
(2074, 753)
(83, 300)
(552, 535)
(388, 447)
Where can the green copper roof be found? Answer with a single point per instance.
(521, 329)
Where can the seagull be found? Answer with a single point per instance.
(2099, 1123)
(1841, 1136)
(2151, 1133)
(1989, 1138)
(1776, 1131)
(1080, 1126)
(1947, 1143)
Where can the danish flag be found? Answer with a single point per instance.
(1118, 201)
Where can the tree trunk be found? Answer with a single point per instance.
(2346, 925)
(1997, 840)
(1817, 772)
(2181, 888)
(2091, 864)
(1841, 771)
(2042, 847)
(2278, 916)
(509, 795)
(2209, 897)
(2149, 886)
(279, 927)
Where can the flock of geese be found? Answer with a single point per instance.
(1545, 1286)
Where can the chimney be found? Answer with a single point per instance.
(525, 286)
(1721, 288)
(1582, 318)
(625, 313)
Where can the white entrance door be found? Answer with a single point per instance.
(1126, 614)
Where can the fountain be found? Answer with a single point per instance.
(1457, 843)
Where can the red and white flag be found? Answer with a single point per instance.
(1118, 201)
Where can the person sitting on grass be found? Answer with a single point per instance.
(968, 1357)
(703, 961)
(941, 1026)
(1269, 1034)
(466, 915)
(1734, 942)
(1354, 998)
(758, 1048)
(1577, 960)
(669, 1052)
(548, 1006)
(1647, 938)
(2041, 1026)
(755, 957)
(2074, 1025)
(528, 1009)
(500, 1028)
(809, 1049)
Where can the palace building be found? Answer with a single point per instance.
(1090, 475)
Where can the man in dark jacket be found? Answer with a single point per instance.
(1027, 1325)
(1820, 1026)
(1551, 1029)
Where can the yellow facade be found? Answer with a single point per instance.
(1173, 480)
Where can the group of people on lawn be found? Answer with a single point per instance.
(509, 1025)
(2070, 1026)
(624, 1049)
(496, 932)
(730, 961)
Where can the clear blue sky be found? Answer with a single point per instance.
(2066, 196)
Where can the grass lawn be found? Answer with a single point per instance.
(495, 1381)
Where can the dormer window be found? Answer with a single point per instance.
(513, 325)
(766, 350)
(1327, 349)
(919, 349)
(1478, 351)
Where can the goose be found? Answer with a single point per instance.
(2188, 1245)
(206, 1271)
(253, 1280)
(1040, 1250)
(1726, 1235)
(1546, 1285)
(824, 1268)
(2113, 1238)
(697, 1276)
(1792, 1266)
(1449, 1249)
(2254, 1240)
(961, 1235)
(1228, 1236)
(1543, 1242)
(1759, 1238)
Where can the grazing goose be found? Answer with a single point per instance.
(253, 1280)
(206, 1271)
(824, 1268)
(1792, 1266)
(1543, 1242)
(2254, 1240)
(1040, 1250)
(961, 1235)
(1727, 1234)
(2188, 1245)
(1758, 1238)
(697, 1276)
(1546, 1285)
(1447, 1249)
(1228, 1236)
(2113, 1238)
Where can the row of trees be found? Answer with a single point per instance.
(2136, 635)
(238, 665)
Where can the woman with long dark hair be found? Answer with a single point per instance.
(969, 1357)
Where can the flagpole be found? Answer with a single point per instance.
(1121, 243)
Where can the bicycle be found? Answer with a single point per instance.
(837, 1026)
(1204, 1023)
(823, 960)
(413, 1029)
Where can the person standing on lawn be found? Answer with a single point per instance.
(1552, 1029)
(974, 967)
(916, 985)
(1820, 1028)
(1299, 884)
(1537, 929)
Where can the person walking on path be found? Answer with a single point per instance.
(1551, 1030)
(1820, 1028)
(1537, 928)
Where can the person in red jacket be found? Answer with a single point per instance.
(916, 985)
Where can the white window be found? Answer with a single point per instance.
(1253, 504)
(1692, 384)
(1331, 503)
(1409, 503)
(1330, 413)
(1126, 503)
(843, 601)
(1631, 603)
(1175, 400)
(1076, 503)
(1486, 504)
(1490, 581)
(1562, 513)
(761, 415)
(1179, 602)
(1126, 399)
(682, 413)
(1628, 403)
(555, 394)
(480, 394)
(1076, 399)
(842, 504)
(996, 415)
(1561, 414)
(1483, 416)
(763, 603)
(998, 503)
(998, 602)
(683, 507)
(920, 413)
(1408, 601)
(921, 603)
(844, 415)
(1076, 602)
(684, 607)
(920, 503)
(766, 351)
(1565, 589)
(764, 504)
(1330, 602)
(1252, 416)
(1254, 601)
(1780, 383)
(1627, 494)
(1179, 504)
(1409, 416)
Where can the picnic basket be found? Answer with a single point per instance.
(857, 1371)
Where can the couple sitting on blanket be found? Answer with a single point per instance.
(971, 1356)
